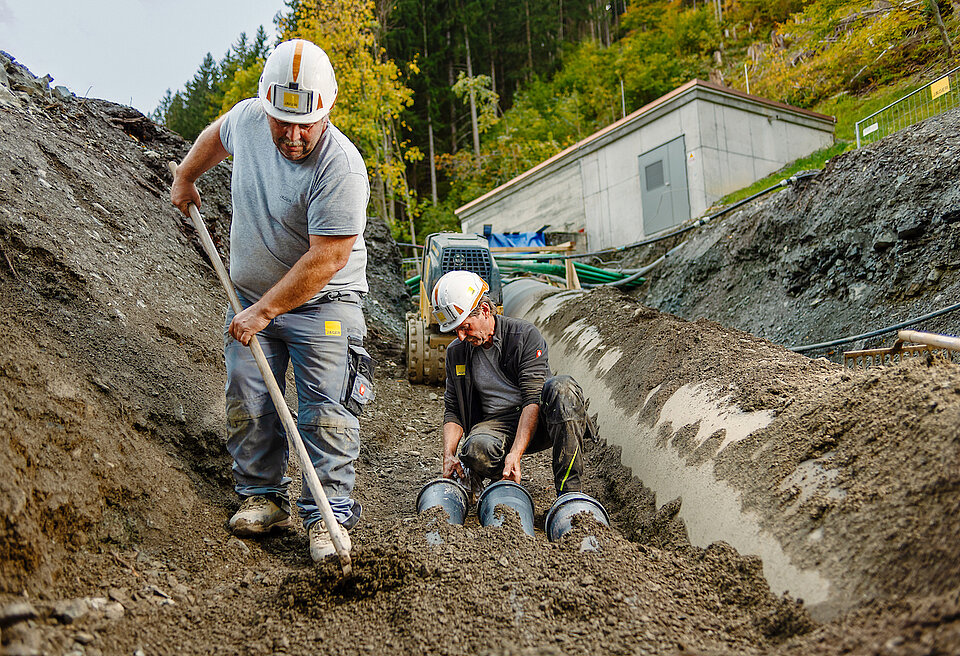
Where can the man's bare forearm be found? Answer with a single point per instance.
(303, 281)
(526, 427)
(307, 276)
(451, 437)
(452, 433)
(207, 151)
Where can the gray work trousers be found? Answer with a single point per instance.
(562, 424)
(314, 339)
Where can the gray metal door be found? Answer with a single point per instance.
(663, 186)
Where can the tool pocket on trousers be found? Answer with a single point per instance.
(360, 368)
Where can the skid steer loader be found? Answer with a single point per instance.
(443, 252)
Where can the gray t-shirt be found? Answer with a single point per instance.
(498, 394)
(278, 204)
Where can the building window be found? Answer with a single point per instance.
(653, 173)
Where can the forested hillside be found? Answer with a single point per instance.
(449, 99)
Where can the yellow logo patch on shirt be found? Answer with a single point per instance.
(461, 370)
(331, 328)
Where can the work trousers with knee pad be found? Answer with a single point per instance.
(313, 338)
(562, 424)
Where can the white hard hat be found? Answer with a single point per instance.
(456, 295)
(297, 84)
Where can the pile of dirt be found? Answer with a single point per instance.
(872, 241)
(115, 486)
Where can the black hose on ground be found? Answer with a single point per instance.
(875, 333)
(643, 271)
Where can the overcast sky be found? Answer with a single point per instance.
(127, 51)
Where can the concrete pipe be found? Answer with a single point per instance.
(760, 444)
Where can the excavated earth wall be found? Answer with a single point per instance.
(113, 325)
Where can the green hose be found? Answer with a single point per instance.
(587, 274)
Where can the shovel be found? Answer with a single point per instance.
(293, 435)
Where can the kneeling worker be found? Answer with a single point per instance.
(500, 394)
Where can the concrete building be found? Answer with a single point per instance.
(657, 167)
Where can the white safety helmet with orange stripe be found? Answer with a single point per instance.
(455, 296)
(297, 84)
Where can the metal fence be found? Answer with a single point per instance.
(929, 100)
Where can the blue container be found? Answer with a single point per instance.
(506, 493)
(559, 518)
(449, 495)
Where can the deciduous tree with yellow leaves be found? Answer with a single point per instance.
(372, 94)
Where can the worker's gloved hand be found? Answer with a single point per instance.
(511, 467)
(451, 466)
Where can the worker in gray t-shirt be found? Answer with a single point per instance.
(298, 260)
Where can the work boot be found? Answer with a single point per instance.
(260, 514)
(321, 544)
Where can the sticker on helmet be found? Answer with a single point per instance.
(291, 101)
(295, 101)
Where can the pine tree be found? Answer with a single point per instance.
(189, 112)
(240, 70)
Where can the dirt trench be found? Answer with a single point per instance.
(799, 460)
(115, 487)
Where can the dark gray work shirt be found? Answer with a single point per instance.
(522, 354)
(498, 394)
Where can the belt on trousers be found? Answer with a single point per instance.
(342, 296)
